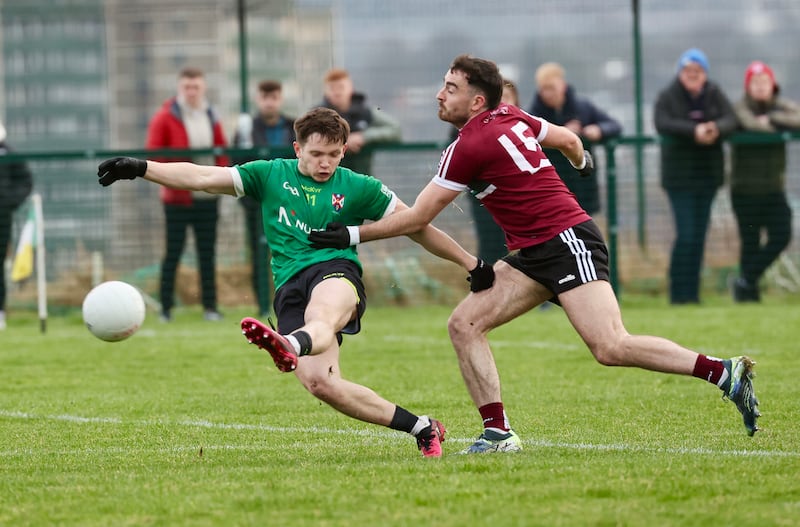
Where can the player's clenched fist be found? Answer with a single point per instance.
(117, 168)
(335, 236)
(482, 277)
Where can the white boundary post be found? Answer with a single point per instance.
(41, 276)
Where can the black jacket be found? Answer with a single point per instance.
(586, 189)
(16, 182)
(260, 127)
(258, 138)
(359, 117)
(686, 165)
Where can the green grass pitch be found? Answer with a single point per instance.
(187, 424)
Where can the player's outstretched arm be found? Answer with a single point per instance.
(178, 175)
(414, 222)
(430, 202)
(428, 205)
(439, 243)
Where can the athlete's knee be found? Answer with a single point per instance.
(609, 352)
(322, 387)
(461, 326)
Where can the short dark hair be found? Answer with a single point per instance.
(323, 121)
(190, 72)
(269, 86)
(483, 75)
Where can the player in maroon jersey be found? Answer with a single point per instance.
(561, 254)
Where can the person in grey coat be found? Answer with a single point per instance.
(693, 116)
(758, 179)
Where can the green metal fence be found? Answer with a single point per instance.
(123, 224)
(80, 79)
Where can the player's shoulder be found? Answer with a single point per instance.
(269, 164)
(362, 184)
(348, 175)
(268, 169)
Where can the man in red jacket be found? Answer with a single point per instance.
(188, 121)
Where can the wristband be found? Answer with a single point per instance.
(355, 236)
(581, 166)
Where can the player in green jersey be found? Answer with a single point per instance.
(320, 293)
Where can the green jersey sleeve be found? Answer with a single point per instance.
(254, 178)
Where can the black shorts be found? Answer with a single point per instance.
(576, 256)
(292, 297)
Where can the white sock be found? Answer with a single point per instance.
(422, 423)
(293, 341)
(722, 378)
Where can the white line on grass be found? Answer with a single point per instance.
(377, 433)
(419, 339)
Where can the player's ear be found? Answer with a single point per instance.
(478, 101)
(296, 146)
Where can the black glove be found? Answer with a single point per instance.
(588, 168)
(335, 236)
(117, 168)
(482, 277)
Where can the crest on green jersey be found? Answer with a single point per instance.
(337, 200)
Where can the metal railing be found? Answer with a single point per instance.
(609, 168)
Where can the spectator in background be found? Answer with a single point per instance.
(188, 121)
(16, 184)
(268, 128)
(556, 101)
(367, 125)
(758, 179)
(693, 115)
(510, 93)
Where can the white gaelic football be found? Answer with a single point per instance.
(113, 311)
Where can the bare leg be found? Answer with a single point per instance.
(594, 312)
(321, 376)
(332, 305)
(513, 294)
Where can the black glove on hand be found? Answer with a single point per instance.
(482, 277)
(117, 168)
(335, 236)
(588, 168)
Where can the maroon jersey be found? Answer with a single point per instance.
(498, 157)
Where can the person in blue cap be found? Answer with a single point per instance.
(693, 116)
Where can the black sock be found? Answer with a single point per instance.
(304, 339)
(403, 420)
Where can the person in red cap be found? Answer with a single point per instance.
(758, 179)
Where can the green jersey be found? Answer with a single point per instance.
(293, 205)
